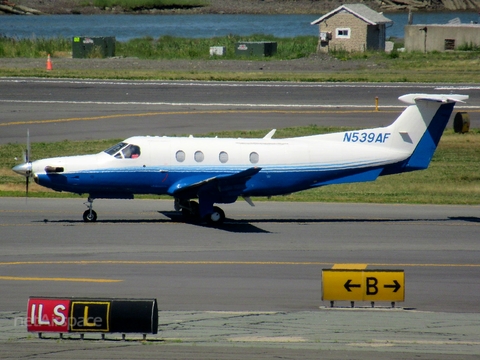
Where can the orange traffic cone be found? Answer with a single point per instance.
(49, 63)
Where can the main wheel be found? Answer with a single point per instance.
(89, 217)
(217, 217)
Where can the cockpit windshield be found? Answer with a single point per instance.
(124, 150)
(115, 148)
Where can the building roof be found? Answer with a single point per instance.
(359, 10)
(448, 25)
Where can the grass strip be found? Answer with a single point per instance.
(377, 76)
(452, 178)
(456, 66)
(164, 47)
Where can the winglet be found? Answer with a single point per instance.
(412, 98)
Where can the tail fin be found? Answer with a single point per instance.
(419, 128)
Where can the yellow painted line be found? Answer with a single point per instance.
(158, 262)
(350, 266)
(133, 262)
(16, 278)
(106, 117)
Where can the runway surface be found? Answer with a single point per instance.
(252, 288)
(263, 267)
(56, 110)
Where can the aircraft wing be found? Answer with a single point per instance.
(219, 186)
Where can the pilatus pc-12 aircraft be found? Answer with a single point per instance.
(201, 172)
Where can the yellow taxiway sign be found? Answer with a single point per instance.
(363, 285)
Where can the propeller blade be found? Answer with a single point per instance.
(26, 168)
(27, 156)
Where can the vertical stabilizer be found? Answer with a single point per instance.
(419, 128)
(423, 153)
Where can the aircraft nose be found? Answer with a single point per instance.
(24, 169)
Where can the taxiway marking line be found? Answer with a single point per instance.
(350, 266)
(18, 278)
(155, 262)
(214, 112)
(244, 105)
(264, 84)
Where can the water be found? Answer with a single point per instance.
(125, 27)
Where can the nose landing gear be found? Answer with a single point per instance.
(89, 215)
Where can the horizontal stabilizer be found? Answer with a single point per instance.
(412, 98)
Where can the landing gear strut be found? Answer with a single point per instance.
(190, 210)
(89, 215)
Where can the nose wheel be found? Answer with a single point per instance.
(89, 215)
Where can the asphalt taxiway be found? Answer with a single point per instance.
(251, 287)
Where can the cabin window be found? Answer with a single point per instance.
(199, 156)
(254, 157)
(343, 33)
(223, 157)
(180, 156)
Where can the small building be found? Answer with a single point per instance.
(437, 37)
(353, 27)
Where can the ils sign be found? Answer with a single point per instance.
(64, 315)
(67, 315)
(363, 285)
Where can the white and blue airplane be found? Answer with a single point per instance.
(219, 170)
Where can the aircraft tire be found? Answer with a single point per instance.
(217, 217)
(89, 218)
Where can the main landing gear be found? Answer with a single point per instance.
(89, 215)
(191, 213)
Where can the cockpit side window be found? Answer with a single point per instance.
(131, 152)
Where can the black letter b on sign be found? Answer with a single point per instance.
(372, 288)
